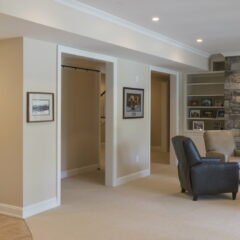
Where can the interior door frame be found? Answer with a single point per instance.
(111, 113)
(174, 107)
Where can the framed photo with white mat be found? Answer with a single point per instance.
(133, 103)
(40, 107)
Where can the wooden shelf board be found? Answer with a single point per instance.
(217, 107)
(204, 84)
(208, 95)
(204, 74)
(210, 119)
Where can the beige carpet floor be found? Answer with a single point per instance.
(160, 157)
(151, 208)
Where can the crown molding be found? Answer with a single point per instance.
(127, 24)
(231, 54)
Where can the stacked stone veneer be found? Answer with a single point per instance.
(232, 97)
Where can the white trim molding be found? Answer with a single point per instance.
(132, 177)
(37, 208)
(231, 54)
(111, 112)
(174, 106)
(76, 171)
(11, 210)
(28, 211)
(127, 24)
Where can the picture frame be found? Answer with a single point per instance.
(207, 102)
(194, 113)
(198, 125)
(207, 114)
(133, 103)
(40, 107)
(220, 113)
(218, 103)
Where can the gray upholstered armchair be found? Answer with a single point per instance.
(221, 144)
(203, 176)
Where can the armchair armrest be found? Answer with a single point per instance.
(215, 177)
(213, 154)
(211, 160)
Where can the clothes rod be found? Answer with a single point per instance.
(79, 68)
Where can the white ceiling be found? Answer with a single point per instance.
(216, 21)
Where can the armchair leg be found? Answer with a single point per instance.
(183, 190)
(195, 197)
(234, 195)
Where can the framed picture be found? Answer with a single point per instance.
(40, 107)
(207, 114)
(218, 102)
(194, 103)
(198, 125)
(207, 102)
(133, 103)
(194, 113)
(220, 113)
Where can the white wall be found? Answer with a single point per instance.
(133, 135)
(80, 118)
(39, 164)
(39, 139)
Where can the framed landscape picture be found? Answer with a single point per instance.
(133, 103)
(40, 107)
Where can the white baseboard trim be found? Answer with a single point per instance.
(34, 209)
(11, 210)
(132, 177)
(76, 171)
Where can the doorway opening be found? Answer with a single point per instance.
(83, 91)
(160, 117)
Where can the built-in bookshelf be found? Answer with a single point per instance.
(205, 101)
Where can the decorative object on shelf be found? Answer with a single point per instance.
(207, 102)
(207, 114)
(218, 102)
(133, 103)
(220, 113)
(218, 125)
(194, 113)
(40, 107)
(198, 125)
(217, 62)
(194, 103)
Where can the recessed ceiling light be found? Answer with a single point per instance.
(155, 19)
(199, 40)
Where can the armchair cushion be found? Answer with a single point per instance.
(234, 159)
(221, 141)
(191, 152)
